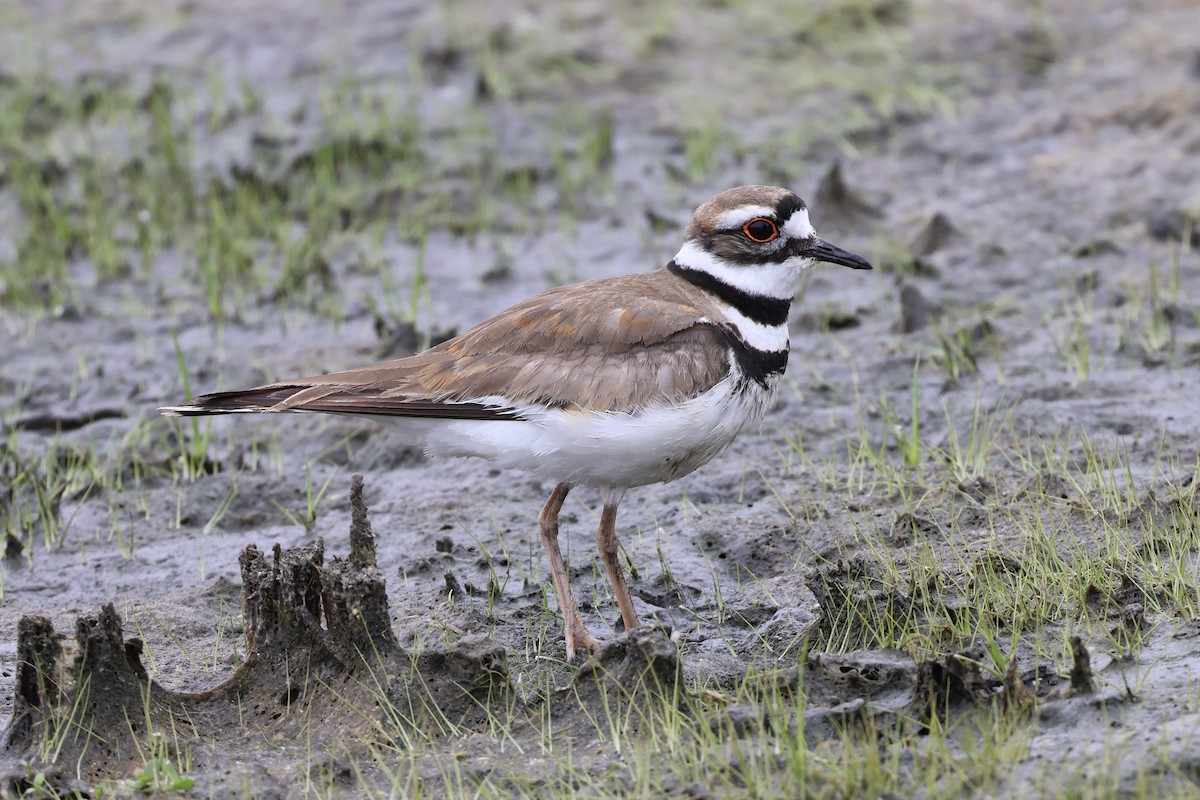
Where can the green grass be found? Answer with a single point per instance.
(109, 186)
(1068, 534)
(1066, 555)
(1077, 542)
(653, 743)
(244, 239)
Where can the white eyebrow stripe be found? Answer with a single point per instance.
(737, 217)
(798, 226)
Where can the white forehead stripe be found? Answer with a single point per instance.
(777, 281)
(737, 217)
(798, 226)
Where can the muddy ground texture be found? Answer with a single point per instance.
(1025, 178)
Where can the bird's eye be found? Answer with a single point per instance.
(760, 229)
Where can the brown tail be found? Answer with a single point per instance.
(359, 400)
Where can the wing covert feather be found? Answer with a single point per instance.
(613, 345)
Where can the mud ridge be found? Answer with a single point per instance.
(322, 665)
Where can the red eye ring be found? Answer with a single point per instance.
(760, 230)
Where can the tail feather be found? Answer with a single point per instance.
(351, 400)
(245, 401)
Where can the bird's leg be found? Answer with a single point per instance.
(576, 633)
(606, 540)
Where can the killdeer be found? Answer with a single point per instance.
(612, 383)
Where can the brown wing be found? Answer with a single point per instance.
(606, 345)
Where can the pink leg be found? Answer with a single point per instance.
(576, 633)
(606, 540)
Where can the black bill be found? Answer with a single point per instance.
(821, 250)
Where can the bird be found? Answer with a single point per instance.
(611, 383)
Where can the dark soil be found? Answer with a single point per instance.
(1034, 232)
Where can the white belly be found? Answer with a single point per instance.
(606, 449)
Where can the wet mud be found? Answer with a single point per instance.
(1025, 181)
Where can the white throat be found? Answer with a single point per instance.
(778, 281)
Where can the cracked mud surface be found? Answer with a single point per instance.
(1020, 240)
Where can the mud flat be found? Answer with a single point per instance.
(960, 558)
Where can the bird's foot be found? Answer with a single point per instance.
(578, 637)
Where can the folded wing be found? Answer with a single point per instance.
(612, 345)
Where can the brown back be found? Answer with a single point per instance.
(614, 344)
